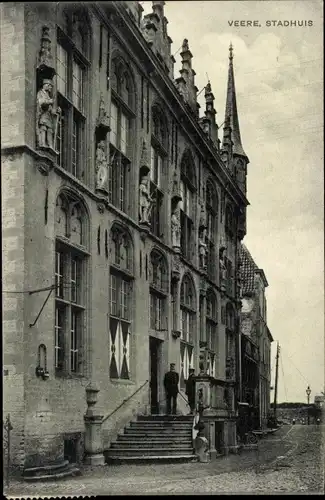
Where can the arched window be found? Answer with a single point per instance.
(159, 149)
(230, 221)
(158, 291)
(212, 219)
(72, 62)
(187, 208)
(211, 330)
(230, 341)
(188, 321)
(121, 297)
(122, 115)
(71, 229)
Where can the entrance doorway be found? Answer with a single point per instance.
(219, 437)
(154, 364)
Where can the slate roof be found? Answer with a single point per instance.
(248, 269)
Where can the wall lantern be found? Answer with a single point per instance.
(41, 369)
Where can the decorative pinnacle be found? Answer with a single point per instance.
(231, 52)
(208, 87)
(185, 46)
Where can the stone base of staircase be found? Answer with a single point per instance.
(152, 439)
(117, 460)
(51, 472)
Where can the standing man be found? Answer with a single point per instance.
(171, 380)
(190, 389)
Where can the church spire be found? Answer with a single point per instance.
(231, 109)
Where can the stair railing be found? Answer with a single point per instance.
(125, 401)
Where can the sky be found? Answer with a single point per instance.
(279, 85)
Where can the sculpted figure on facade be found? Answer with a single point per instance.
(203, 250)
(45, 56)
(222, 268)
(176, 228)
(101, 167)
(146, 201)
(46, 122)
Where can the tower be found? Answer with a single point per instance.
(237, 160)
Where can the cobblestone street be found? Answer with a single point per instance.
(290, 461)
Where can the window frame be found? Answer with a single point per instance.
(158, 151)
(120, 319)
(158, 291)
(187, 213)
(120, 156)
(72, 123)
(211, 208)
(211, 325)
(70, 295)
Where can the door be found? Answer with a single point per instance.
(154, 350)
(219, 437)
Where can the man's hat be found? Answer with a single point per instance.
(47, 81)
(191, 370)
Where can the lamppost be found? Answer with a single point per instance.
(308, 392)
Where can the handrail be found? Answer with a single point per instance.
(179, 392)
(124, 401)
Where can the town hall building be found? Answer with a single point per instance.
(123, 212)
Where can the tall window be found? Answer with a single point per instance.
(230, 286)
(230, 221)
(121, 296)
(122, 113)
(70, 286)
(230, 341)
(187, 210)
(211, 214)
(71, 65)
(158, 291)
(159, 149)
(211, 330)
(188, 323)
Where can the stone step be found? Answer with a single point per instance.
(119, 460)
(166, 418)
(155, 439)
(31, 471)
(70, 471)
(156, 430)
(162, 425)
(153, 431)
(144, 452)
(150, 444)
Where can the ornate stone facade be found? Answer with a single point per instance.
(118, 151)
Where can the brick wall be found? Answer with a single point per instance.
(12, 73)
(12, 181)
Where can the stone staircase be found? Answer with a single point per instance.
(154, 438)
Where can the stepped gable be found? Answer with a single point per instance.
(154, 29)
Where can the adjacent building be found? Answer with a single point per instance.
(256, 340)
(122, 215)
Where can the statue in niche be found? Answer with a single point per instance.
(146, 201)
(176, 228)
(45, 56)
(101, 167)
(222, 268)
(203, 250)
(46, 128)
(103, 119)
